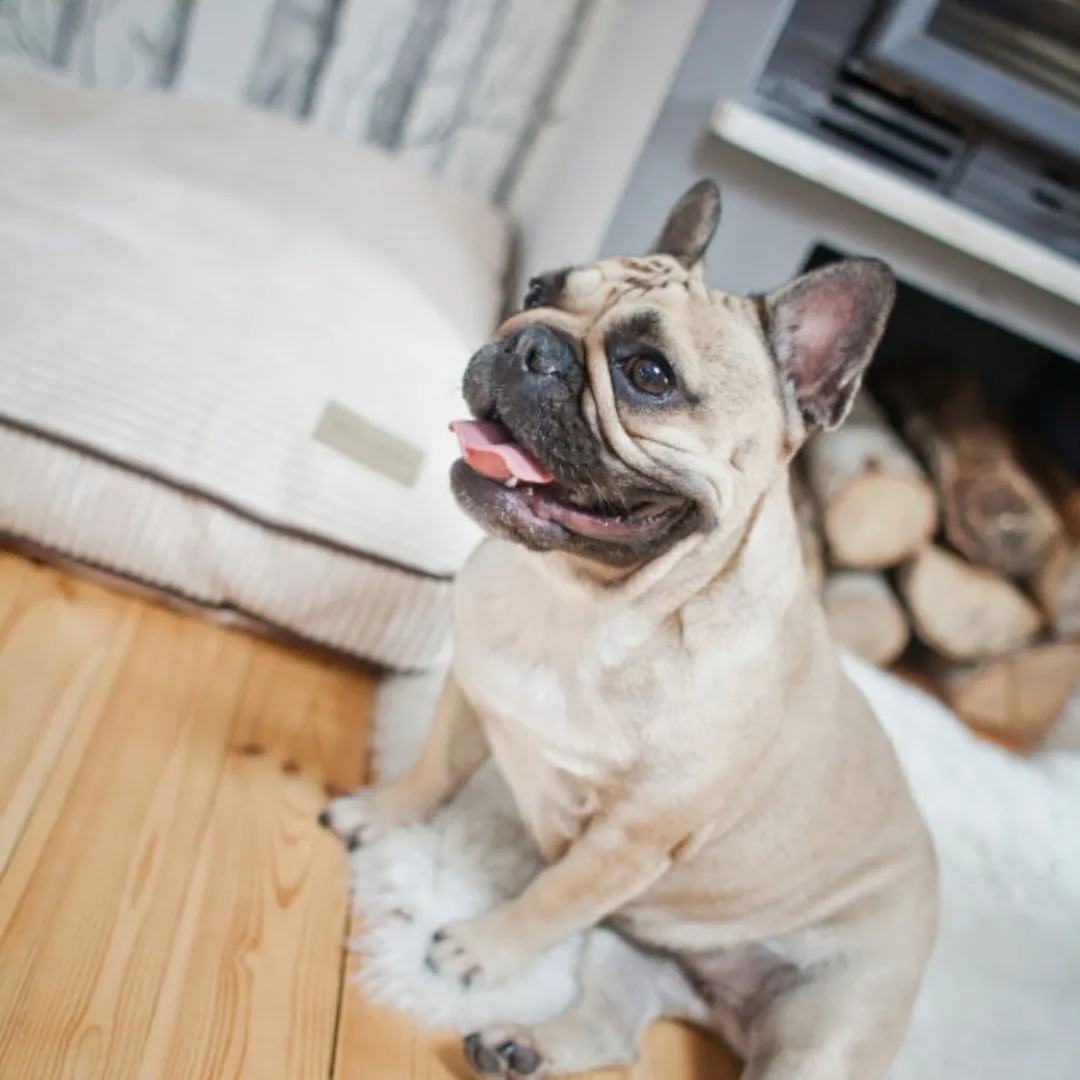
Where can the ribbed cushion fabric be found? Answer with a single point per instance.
(183, 291)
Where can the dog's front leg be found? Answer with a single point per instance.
(616, 859)
(454, 749)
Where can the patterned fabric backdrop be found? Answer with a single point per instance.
(472, 90)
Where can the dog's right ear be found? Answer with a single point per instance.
(690, 225)
(823, 328)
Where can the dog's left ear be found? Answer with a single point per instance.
(824, 328)
(690, 225)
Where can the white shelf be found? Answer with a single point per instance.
(879, 190)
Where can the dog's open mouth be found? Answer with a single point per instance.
(489, 450)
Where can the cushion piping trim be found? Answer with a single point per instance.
(291, 531)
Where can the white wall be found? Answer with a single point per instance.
(566, 219)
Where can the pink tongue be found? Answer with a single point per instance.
(488, 449)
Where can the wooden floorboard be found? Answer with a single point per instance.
(377, 1043)
(89, 925)
(254, 986)
(169, 909)
(60, 651)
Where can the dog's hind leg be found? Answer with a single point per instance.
(846, 1022)
(621, 991)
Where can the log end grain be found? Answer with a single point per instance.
(966, 612)
(1056, 585)
(879, 520)
(1017, 697)
(864, 615)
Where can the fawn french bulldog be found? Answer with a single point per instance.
(637, 647)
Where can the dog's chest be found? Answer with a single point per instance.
(525, 655)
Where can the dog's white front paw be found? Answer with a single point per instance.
(475, 952)
(356, 818)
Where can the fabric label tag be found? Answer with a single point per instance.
(358, 439)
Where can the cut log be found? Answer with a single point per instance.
(965, 612)
(865, 616)
(877, 506)
(991, 509)
(1019, 696)
(1056, 583)
(806, 518)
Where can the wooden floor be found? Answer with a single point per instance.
(169, 909)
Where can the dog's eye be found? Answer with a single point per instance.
(534, 296)
(650, 375)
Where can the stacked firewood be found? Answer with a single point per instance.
(946, 548)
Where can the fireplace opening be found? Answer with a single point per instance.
(941, 522)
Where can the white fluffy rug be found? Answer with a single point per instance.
(1002, 997)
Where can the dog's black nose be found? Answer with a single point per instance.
(541, 351)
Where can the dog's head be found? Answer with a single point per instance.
(629, 405)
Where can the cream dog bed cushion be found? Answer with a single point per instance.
(184, 290)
